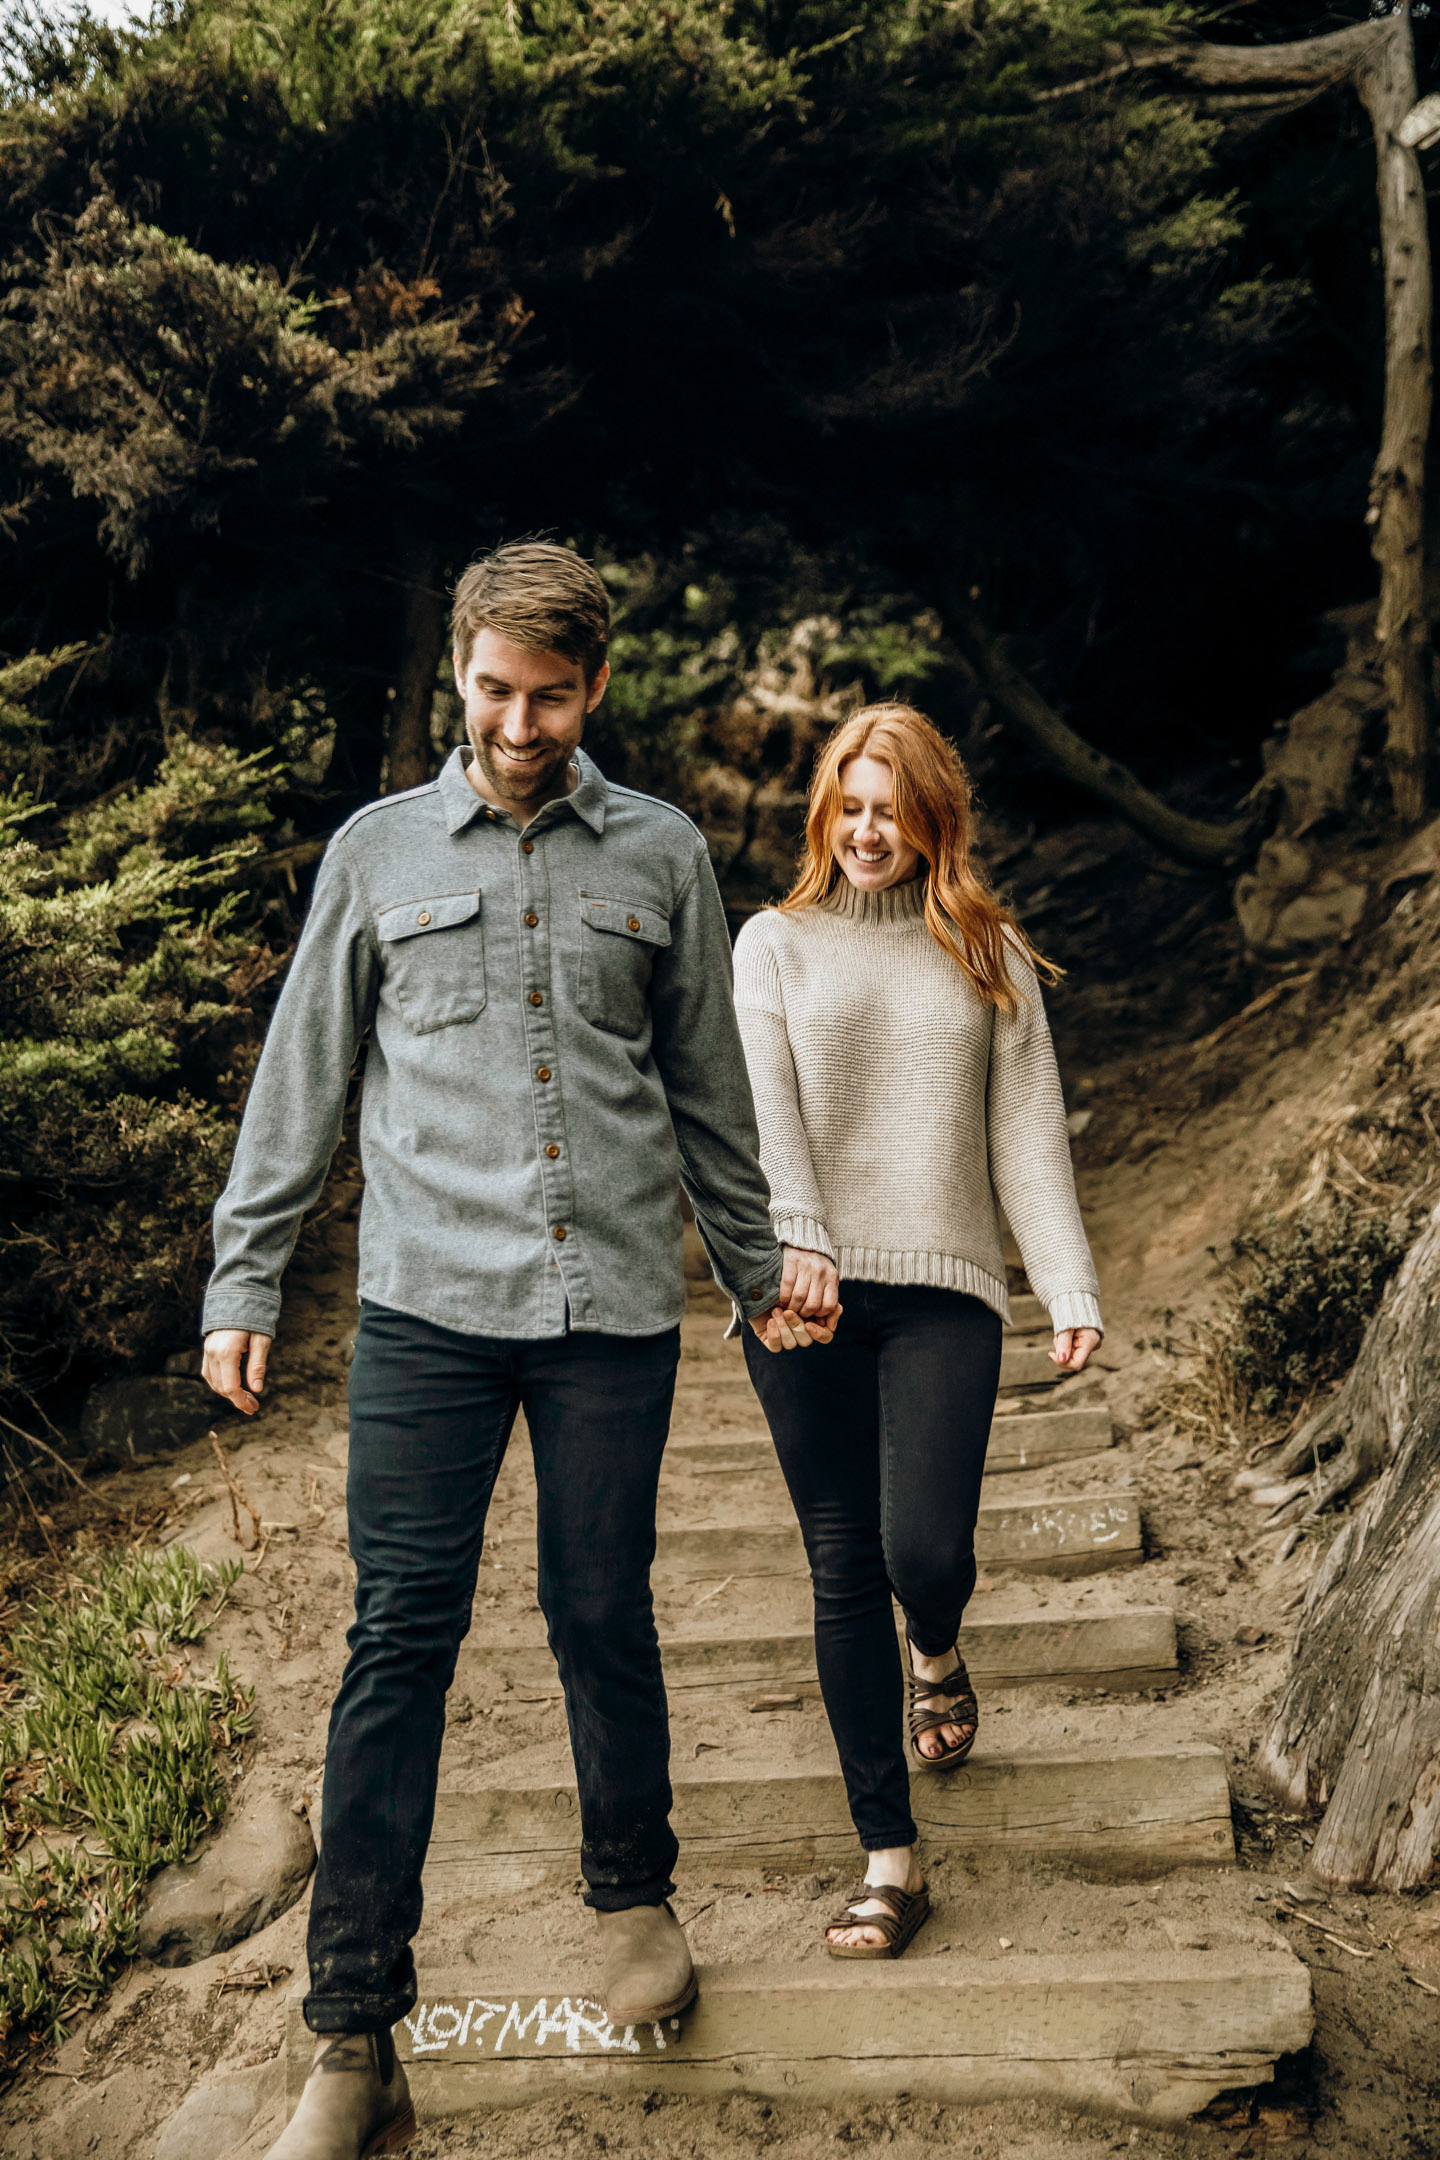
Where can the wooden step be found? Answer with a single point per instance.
(1146, 2038)
(1022, 1365)
(1028, 1317)
(1082, 1536)
(1117, 1651)
(1016, 1443)
(1134, 1813)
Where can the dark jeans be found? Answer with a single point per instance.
(430, 1415)
(882, 1437)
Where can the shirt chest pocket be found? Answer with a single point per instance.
(619, 940)
(434, 959)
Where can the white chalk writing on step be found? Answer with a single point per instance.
(584, 2026)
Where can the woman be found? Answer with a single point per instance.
(905, 1083)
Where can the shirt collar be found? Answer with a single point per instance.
(589, 799)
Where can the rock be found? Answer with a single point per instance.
(147, 1411)
(211, 2120)
(1418, 859)
(1078, 1122)
(1417, 1945)
(1279, 922)
(1312, 756)
(250, 1873)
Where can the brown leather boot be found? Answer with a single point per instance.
(356, 2102)
(648, 1973)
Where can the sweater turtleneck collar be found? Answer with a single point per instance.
(895, 904)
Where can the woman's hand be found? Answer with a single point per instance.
(1073, 1347)
(808, 1306)
(810, 1286)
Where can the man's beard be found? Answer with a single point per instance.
(519, 784)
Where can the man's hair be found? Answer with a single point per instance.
(535, 594)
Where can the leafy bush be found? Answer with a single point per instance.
(1306, 1291)
(116, 1745)
(125, 977)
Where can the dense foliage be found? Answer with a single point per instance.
(125, 980)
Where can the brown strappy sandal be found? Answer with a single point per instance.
(964, 1710)
(906, 1912)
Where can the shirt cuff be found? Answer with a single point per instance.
(756, 1294)
(1076, 1309)
(250, 1311)
(805, 1231)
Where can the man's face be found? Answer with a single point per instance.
(524, 714)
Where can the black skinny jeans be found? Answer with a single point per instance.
(430, 1415)
(882, 1437)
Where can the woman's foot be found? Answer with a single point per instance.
(940, 1739)
(899, 1867)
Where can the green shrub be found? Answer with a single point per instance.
(114, 1743)
(1305, 1292)
(125, 973)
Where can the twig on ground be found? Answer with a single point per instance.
(34, 1440)
(706, 1595)
(42, 1522)
(1356, 1950)
(1256, 1006)
(238, 1498)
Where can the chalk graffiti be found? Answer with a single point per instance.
(529, 2024)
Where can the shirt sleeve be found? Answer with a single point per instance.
(296, 1107)
(697, 1050)
(797, 1210)
(1030, 1157)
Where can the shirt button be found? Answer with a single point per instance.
(542, 1072)
(552, 1151)
(531, 920)
(423, 917)
(527, 847)
(536, 998)
(559, 1232)
(632, 922)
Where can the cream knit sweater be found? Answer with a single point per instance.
(897, 1106)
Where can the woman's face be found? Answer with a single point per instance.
(865, 839)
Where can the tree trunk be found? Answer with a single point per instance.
(1385, 79)
(410, 753)
(1357, 1730)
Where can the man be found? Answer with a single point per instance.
(543, 962)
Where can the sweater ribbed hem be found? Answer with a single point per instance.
(1075, 1309)
(805, 1231)
(894, 904)
(938, 1271)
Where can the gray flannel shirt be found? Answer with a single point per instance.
(554, 1054)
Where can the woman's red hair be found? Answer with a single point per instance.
(932, 804)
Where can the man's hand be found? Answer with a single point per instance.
(226, 1351)
(808, 1307)
(1073, 1347)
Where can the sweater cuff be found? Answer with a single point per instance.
(805, 1231)
(1076, 1309)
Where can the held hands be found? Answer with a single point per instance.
(1073, 1347)
(808, 1308)
(225, 1352)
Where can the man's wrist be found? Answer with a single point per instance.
(758, 1293)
